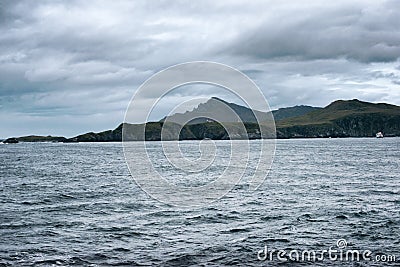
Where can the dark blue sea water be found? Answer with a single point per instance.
(76, 204)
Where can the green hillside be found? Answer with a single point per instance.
(344, 118)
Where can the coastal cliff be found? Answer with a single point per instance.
(342, 118)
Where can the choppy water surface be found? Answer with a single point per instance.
(76, 204)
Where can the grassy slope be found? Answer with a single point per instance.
(338, 110)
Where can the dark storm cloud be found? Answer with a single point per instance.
(366, 32)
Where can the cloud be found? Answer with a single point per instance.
(77, 61)
(363, 31)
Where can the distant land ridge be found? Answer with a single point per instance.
(341, 118)
(247, 115)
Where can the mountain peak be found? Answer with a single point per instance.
(216, 108)
(356, 104)
(217, 98)
(348, 104)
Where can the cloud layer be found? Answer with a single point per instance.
(365, 33)
(68, 67)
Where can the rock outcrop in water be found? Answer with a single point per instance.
(10, 141)
(36, 138)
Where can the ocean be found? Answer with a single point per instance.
(77, 204)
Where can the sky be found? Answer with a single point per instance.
(69, 67)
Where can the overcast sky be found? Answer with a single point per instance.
(68, 67)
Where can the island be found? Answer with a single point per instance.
(341, 118)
